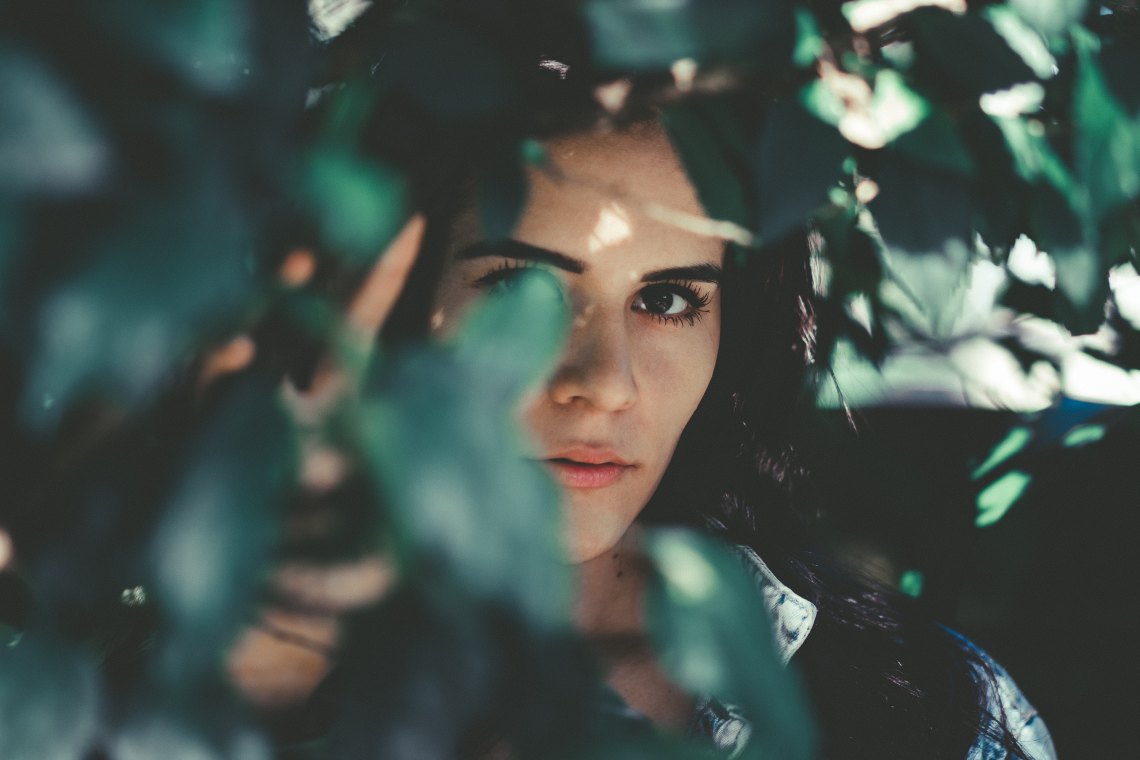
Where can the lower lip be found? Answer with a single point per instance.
(581, 475)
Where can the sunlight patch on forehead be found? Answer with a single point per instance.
(611, 228)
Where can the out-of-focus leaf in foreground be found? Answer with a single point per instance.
(220, 522)
(49, 699)
(715, 639)
(440, 438)
(648, 34)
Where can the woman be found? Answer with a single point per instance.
(673, 402)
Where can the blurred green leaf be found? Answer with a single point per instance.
(1083, 435)
(996, 498)
(809, 41)
(1106, 138)
(707, 618)
(503, 190)
(183, 730)
(360, 204)
(911, 583)
(49, 143)
(208, 43)
(441, 440)
(1014, 441)
(935, 143)
(649, 34)
(1050, 17)
(173, 269)
(797, 161)
(49, 700)
(696, 132)
(940, 39)
(212, 546)
(1082, 274)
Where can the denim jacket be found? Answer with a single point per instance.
(792, 619)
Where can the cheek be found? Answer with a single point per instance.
(674, 372)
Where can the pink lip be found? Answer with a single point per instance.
(587, 467)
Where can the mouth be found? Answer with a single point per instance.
(587, 468)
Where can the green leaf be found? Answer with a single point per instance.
(911, 583)
(1014, 441)
(212, 546)
(503, 190)
(935, 143)
(707, 617)
(175, 268)
(1107, 138)
(49, 699)
(1083, 435)
(941, 39)
(809, 39)
(208, 43)
(359, 204)
(440, 439)
(649, 34)
(49, 143)
(996, 499)
(1050, 17)
(1082, 273)
(694, 129)
(798, 160)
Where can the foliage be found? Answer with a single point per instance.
(159, 166)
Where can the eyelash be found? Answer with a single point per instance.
(686, 289)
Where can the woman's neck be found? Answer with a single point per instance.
(610, 590)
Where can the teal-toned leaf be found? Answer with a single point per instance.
(707, 158)
(173, 270)
(911, 583)
(1083, 435)
(1034, 157)
(1015, 440)
(1050, 17)
(940, 37)
(1082, 273)
(208, 43)
(996, 499)
(211, 548)
(1022, 38)
(649, 34)
(359, 204)
(502, 191)
(49, 700)
(1106, 138)
(935, 143)
(186, 731)
(440, 438)
(798, 160)
(707, 617)
(49, 143)
(924, 217)
(809, 39)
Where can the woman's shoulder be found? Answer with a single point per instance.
(1005, 703)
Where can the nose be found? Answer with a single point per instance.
(597, 367)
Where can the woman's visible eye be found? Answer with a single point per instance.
(504, 275)
(672, 303)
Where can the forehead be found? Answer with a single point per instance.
(600, 202)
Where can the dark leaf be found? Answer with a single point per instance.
(503, 189)
(1050, 17)
(935, 143)
(49, 143)
(212, 545)
(174, 269)
(696, 130)
(1082, 273)
(49, 699)
(942, 39)
(441, 442)
(798, 161)
(646, 34)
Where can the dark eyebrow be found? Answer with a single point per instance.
(513, 249)
(700, 273)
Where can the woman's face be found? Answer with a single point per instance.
(645, 305)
